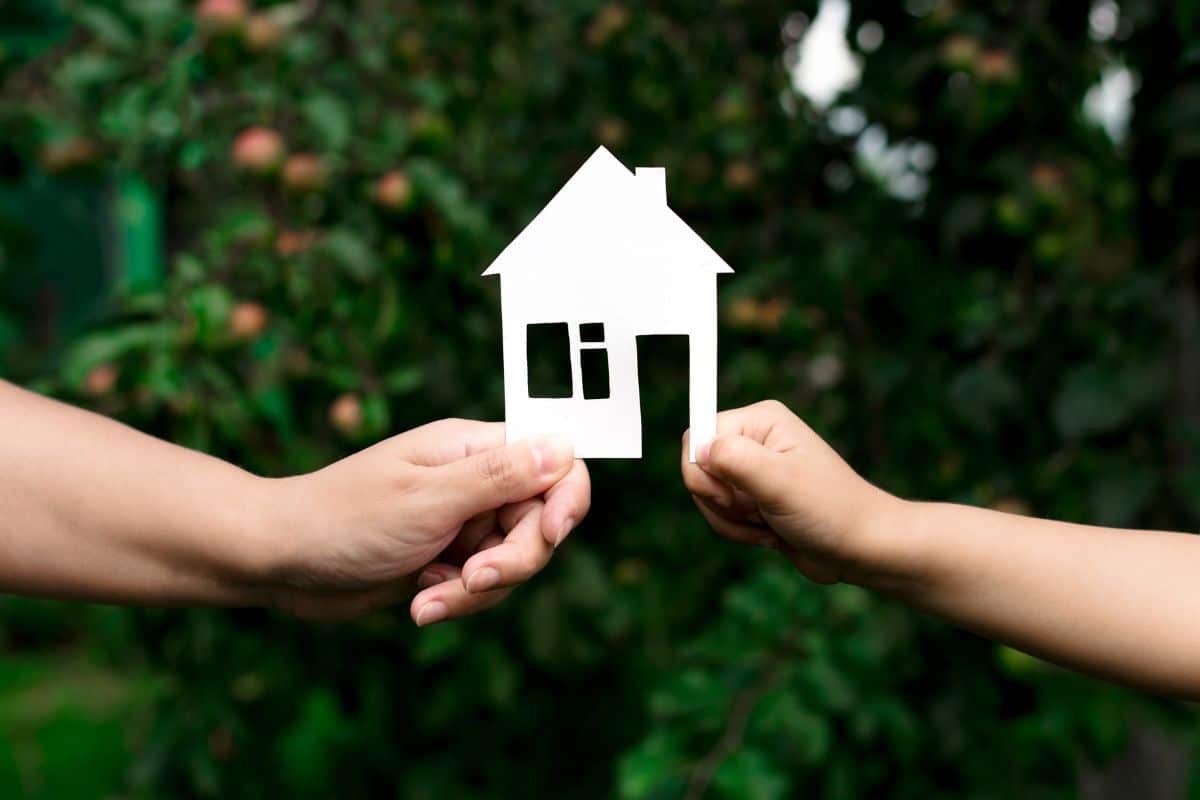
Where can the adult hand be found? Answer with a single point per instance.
(448, 508)
(98, 511)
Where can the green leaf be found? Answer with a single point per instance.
(156, 16)
(981, 394)
(86, 70)
(377, 418)
(1118, 498)
(109, 346)
(749, 775)
(783, 718)
(210, 306)
(1097, 398)
(350, 252)
(658, 760)
(309, 751)
(404, 380)
(9, 332)
(106, 26)
(438, 643)
(330, 117)
(274, 404)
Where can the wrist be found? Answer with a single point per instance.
(207, 541)
(259, 532)
(888, 551)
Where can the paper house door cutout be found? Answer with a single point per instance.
(612, 261)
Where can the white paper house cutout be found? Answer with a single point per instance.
(608, 250)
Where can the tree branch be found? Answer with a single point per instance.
(740, 709)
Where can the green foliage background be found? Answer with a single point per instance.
(1021, 335)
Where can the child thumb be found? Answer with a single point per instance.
(746, 465)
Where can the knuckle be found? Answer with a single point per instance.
(409, 479)
(497, 468)
(772, 406)
(450, 427)
(528, 564)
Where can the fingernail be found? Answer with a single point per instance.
(483, 579)
(552, 453)
(563, 530)
(430, 577)
(430, 613)
(702, 453)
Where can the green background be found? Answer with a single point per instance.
(985, 297)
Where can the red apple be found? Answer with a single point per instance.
(293, 243)
(393, 191)
(740, 175)
(101, 380)
(248, 320)
(960, 51)
(612, 132)
(258, 149)
(220, 16)
(610, 19)
(996, 65)
(262, 33)
(346, 414)
(68, 153)
(304, 172)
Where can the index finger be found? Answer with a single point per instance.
(759, 421)
(445, 441)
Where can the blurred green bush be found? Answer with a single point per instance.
(983, 297)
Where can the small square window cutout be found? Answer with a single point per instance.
(591, 332)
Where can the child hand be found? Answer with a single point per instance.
(767, 479)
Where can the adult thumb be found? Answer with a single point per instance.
(507, 474)
(745, 464)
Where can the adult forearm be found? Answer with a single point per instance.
(92, 509)
(1120, 604)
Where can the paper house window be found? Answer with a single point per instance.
(548, 350)
(590, 332)
(593, 361)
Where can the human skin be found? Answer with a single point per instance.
(93, 510)
(1119, 604)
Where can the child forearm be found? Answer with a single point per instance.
(1121, 604)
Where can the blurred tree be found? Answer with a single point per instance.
(952, 272)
